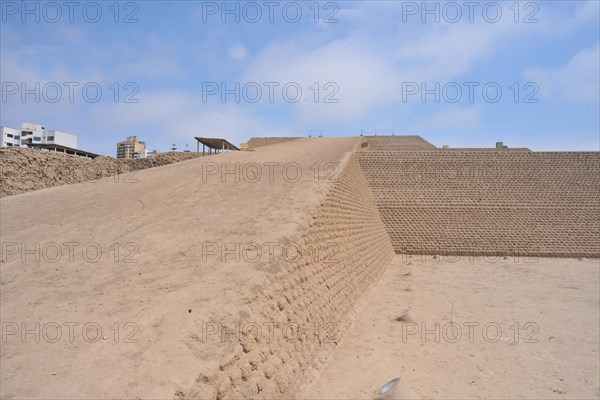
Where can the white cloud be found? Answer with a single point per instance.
(238, 52)
(577, 80)
(346, 71)
(446, 51)
(369, 69)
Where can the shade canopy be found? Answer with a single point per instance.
(216, 143)
(63, 149)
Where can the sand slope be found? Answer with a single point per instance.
(165, 302)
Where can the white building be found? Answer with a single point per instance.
(11, 137)
(145, 153)
(35, 134)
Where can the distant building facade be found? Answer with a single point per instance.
(31, 135)
(11, 137)
(145, 153)
(130, 146)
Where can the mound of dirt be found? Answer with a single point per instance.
(24, 170)
(230, 276)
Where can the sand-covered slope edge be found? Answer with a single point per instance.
(312, 298)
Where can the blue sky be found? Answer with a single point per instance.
(433, 69)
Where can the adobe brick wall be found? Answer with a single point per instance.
(319, 289)
(487, 149)
(488, 202)
(410, 142)
(256, 142)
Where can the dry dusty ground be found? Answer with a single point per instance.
(554, 357)
(121, 315)
(146, 295)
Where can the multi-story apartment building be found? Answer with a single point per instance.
(129, 146)
(31, 135)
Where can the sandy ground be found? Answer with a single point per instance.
(555, 355)
(121, 314)
(127, 321)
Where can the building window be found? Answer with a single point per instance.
(17, 137)
(9, 144)
(37, 138)
(9, 135)
(50, 138)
